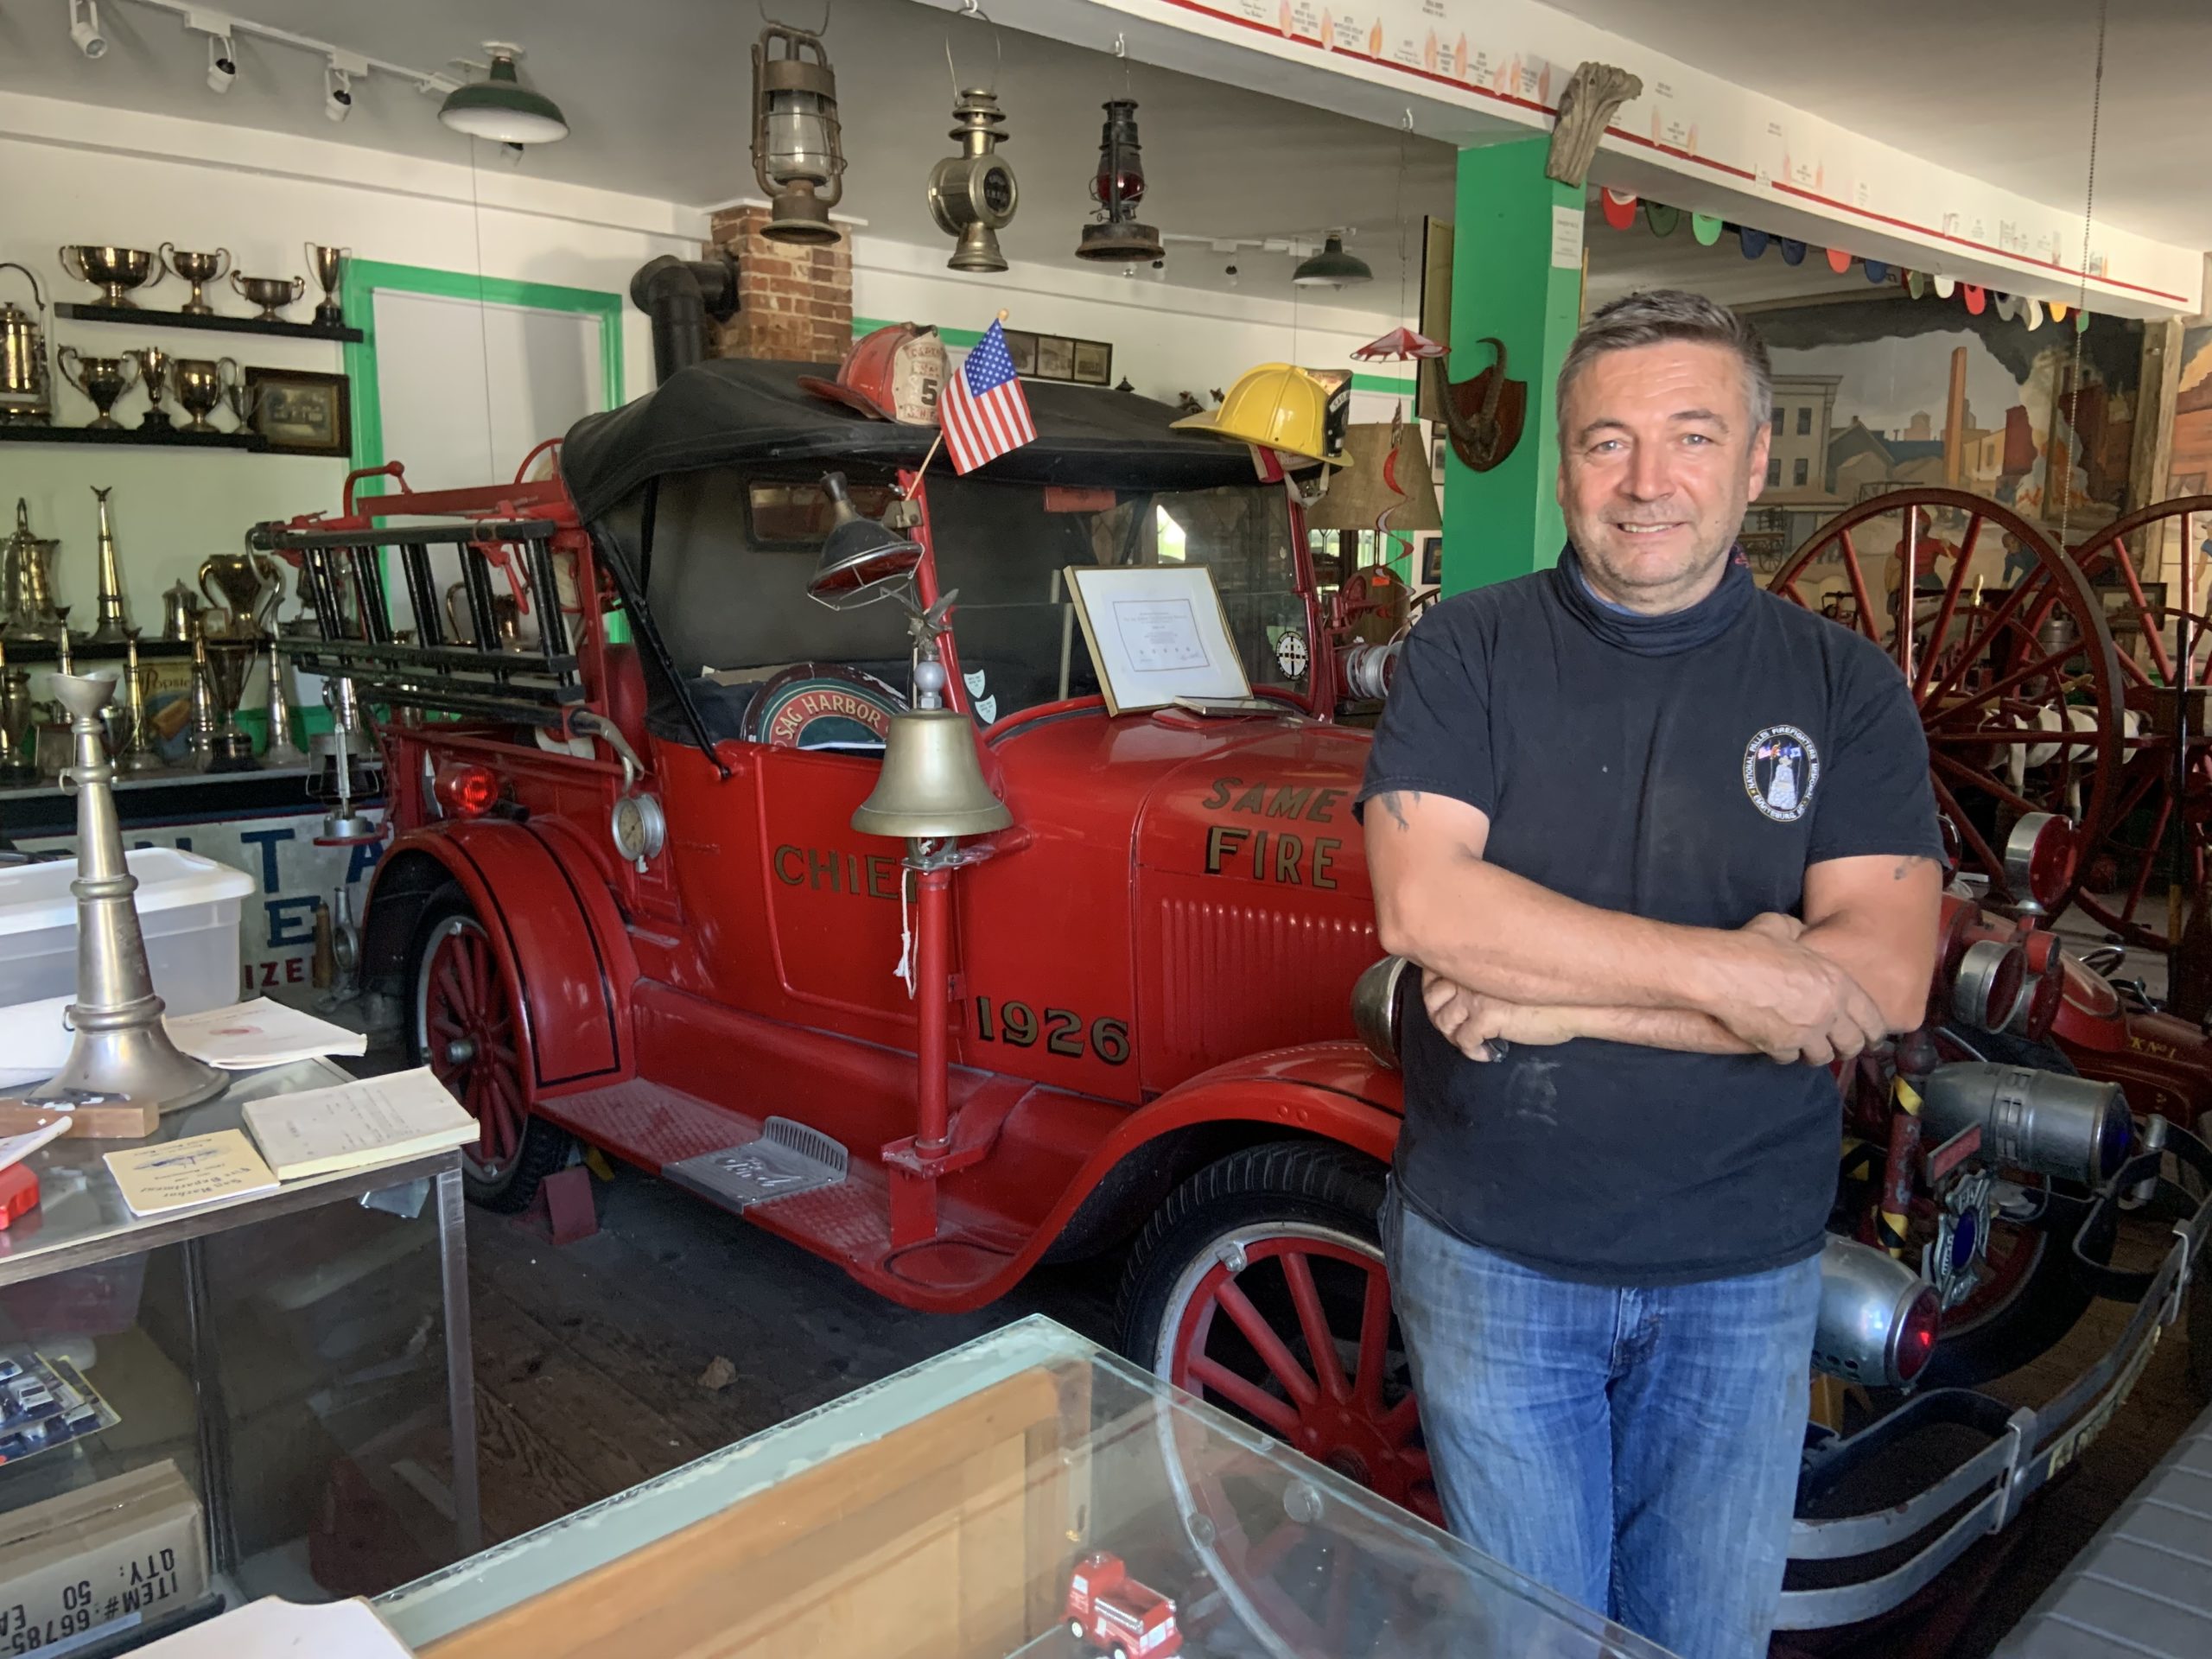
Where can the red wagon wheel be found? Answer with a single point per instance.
(2018, 686)
(469, 1027)
(2122, 887)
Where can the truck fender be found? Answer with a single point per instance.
(552, 924)
(1332, 1091)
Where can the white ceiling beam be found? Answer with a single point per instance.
(1472, 72)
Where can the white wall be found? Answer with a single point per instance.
(79, 173)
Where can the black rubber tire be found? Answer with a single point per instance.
(1314, 1181)
(2051, 1299)
(545, 1147)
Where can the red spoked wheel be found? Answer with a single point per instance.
(1254, 1333)
(469, 1036)
(465, 1029)
(2018, 682)
(2127, 868)
(1261, 1288)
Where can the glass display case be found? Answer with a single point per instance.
(1028, 1493)
(271, 1395)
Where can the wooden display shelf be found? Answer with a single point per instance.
(158, 438)
(150, 319)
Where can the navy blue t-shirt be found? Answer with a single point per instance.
(1685, 768)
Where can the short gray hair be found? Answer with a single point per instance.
(1664, 313)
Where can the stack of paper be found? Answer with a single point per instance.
(270, 1629)
(17, 1148)
(248, 1035)
(180, 1174)
(377, 1120)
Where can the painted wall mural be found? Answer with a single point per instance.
(1874, 395)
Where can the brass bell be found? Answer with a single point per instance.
(933, 784)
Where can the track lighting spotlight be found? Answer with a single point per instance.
(222, 63)
(337, 91)
(84, 26)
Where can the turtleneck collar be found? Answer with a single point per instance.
(1655, 636)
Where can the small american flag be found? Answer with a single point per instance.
(982, 410)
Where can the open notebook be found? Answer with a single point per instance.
(376, 1120)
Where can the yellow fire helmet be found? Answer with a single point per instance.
(1284, 408)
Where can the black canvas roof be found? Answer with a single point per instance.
(732, 410)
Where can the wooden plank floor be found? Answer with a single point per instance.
(588, 1358)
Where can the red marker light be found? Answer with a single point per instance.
(465, 790)
(1916, 1334)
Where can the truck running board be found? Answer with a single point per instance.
(787, 1159)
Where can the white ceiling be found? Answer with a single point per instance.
(1999, 89)
(658, 94)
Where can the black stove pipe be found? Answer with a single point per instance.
(679, 295)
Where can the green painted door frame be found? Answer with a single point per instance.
(365, 278)
(1511, 279)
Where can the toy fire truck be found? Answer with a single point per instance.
(1113, 1613)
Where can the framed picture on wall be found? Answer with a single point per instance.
(300, 412)
(1436, 448)
(1431, 550)
(1022, 347)
(1055, 358)
(1093, 362)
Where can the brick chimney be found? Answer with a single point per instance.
(795, 302)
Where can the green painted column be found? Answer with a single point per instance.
(1505, 283)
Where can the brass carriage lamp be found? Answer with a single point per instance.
(972, 195)
(797, 155)
(1117, 187)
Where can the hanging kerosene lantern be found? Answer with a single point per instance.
(1117, 188)
(973, 194)
(797, 155)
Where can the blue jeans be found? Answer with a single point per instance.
(1636, 1450)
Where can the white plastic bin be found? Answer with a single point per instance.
(187, 909)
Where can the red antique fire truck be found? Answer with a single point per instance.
(624, 904)
(1113, 1613)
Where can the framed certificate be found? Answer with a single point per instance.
(1157, 633)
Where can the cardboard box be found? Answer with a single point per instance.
(103, 1558)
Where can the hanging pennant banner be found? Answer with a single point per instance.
(1916, 284)
(2032, 314)
(1839, 260)
(1754, 241)
(1945, 286)
(1706, 227)
(1619, 209)
(2058, 310)
(1661, 219)
(1793, 251)
(2081, 322)
(1976, 298)
(1877, 271)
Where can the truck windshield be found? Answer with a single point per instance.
(1004, 546)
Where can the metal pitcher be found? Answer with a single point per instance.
(26, 374)
(180, 610)
(27, 582)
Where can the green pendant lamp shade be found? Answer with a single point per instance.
(500, 108)
(1331, 268)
